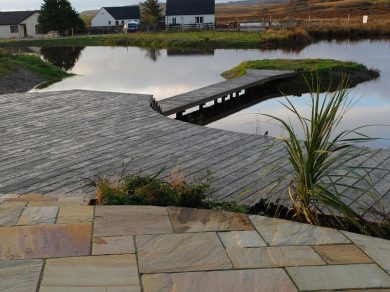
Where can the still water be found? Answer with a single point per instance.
(165, 73)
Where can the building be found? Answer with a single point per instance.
(116, 16)
(19, 24)
(192, 13)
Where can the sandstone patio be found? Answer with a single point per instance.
(57, 243)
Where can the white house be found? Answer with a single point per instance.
(116, 16)
(19, 24)
(190, 12)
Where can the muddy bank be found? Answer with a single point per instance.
(20, 80)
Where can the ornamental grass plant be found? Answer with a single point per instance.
(321, 159)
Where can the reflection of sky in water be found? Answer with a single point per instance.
(133, 70)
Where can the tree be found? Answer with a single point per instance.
(60, 16)
(151, 12)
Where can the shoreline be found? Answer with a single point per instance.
(21, 73)
(268, 39)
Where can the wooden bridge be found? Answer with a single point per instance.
(226, 89)
(50, 142)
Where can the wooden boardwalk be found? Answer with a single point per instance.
(50, 142)
(185, 101)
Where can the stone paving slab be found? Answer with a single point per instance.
(20, 276)
(9, 214)
(194, 220)
(44, 241)
(131, 220)
(118, 248)
(265, 280)
(339, 277)
(38, 215)
(7, 196)
(274, 257)
(241, 239)
(282, 232)
(113, 245)
(94, 273)
(74, 214)
(342, 254)
(376, 248)
(181, 252)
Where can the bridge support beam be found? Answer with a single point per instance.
(179, 115)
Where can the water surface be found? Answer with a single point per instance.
(164, 73)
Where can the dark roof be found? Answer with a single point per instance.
(124, 12)
(190, 7)
(14, 17)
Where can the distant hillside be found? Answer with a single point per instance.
(90, 13)
(251, 2)
(248, 10)
(315, 9)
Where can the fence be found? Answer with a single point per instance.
(256, 24)
(197, 26)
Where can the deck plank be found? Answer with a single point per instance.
(51, 141)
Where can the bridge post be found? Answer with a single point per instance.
(201, 106)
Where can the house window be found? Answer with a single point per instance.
(199, 19)
(123, 22)
(109, 22)
(117, 22)
(14, 28)
(174, 21)
(38, 29)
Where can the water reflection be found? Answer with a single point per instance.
(63, 57)
(23, 50)
(166, 73)
(177, 52)
(152, 54)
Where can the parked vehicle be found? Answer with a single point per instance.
(131, 26)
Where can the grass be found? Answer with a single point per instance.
(34, 64)
(122, 189)
(182, 40)
(328, 71)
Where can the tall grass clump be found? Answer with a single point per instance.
(123, 189)
(320, 160)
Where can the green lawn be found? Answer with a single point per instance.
(32, 63)
(184, 40)
(328, 71)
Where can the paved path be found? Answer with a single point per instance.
(252, 78)
(50, 244)
(50, 142)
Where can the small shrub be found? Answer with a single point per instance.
(157, 194)
(226, 206)
(147, 190)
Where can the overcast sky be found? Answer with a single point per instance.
(79, 5)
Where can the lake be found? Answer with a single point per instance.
(165, 73)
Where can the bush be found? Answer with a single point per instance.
(157, 194)
(146, 190)
(322, 158)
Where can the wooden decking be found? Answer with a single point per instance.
(182, 102)
(50, 142)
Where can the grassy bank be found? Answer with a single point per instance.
(182, 40)
(20, 73)
(210, 39)
(329, 71)
(34, 64)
